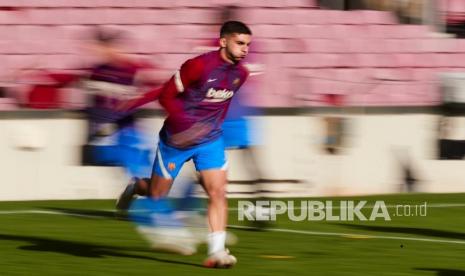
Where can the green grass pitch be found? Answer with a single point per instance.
(57, 242)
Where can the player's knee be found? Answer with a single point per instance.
(159, 187)
(217, 192)
(159, 192)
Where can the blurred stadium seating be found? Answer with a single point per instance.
(372, 58)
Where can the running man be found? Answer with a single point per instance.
(197, 98)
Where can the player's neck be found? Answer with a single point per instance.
(224, 56)
(117, 60)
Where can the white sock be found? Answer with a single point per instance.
(216, 241)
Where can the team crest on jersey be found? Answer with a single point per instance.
(220, 95)
(171, 166)
(236, 81)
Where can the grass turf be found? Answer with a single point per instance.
(99, 244)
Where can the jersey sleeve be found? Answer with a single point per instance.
(189, 74)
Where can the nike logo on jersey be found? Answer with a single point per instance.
(211, 80)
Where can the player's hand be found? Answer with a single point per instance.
(191, 135)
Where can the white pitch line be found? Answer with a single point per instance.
(230, 209)
(283, 230)
(346, 235)
(437, 205)
(13, 212)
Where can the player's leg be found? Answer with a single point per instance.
(210, 161)
(214, 182)
(168, 162)
(156, 216)
(156, 186)
(135, 187)
(137, 164)
(159, 186)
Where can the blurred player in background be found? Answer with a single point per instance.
(197, 98)
(113, 138)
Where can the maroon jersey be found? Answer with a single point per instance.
(197, 98)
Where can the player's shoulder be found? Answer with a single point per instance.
(205, 57)
(243, 70)
(200, 62)
(212, 55)
(194, 62)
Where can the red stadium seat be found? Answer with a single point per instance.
(325, 46)
(314, 31)
(273, 45)
(338, 17)
(8, 104)
(197, 16)
(391, 75)
(142, 16)
(277, 3)
(160, 46)
(405, 45)
(193, 31)
(303, 16)
(73, 98)
(60, 61)
(293, 45)
(263, 16)
(62, 16)
(276, 31)
(456, 6)
(35, 32)
(22, 61)
(363, 45)
(52, 3)
(375, 17)
(455, 11)
(8, 32)
(444, 45)
(171, 61)
(399, 31)
(339, 31)
(13, 17)
(377, 60)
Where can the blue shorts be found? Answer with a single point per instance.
(208, 156)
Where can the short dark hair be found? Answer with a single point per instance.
(107, 37)
(231, 27)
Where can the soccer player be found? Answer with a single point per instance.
(239, 132)
(197, 98)
(113, 137)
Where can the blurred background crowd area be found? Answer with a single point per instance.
(309, 52)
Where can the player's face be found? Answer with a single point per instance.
(236, 46)
(106, 52)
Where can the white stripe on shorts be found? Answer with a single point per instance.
(162, 166)
(225, 166)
